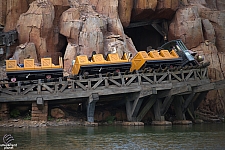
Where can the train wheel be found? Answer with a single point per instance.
(85, 75)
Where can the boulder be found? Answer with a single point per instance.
(70, 24)
(36, 25)
(125, 9)
(60, 2)
(217, 18)
(214, 100)
(220, 5)
(69, 56)
(25, 51)
(208, 31)
(143, 9)
(187, 26)
(14, 9)
(57, 113)
(166, 9)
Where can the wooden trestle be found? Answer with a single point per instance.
(185, 88)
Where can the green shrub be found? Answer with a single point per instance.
(110, 119)
(14, 113)
(50, 118)
(27, 117)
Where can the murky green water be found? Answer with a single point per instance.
(204, 136)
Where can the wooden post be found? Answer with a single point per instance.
(157, 107)
(93, 98)
(187, 101)
(178, 108)
(133, 104)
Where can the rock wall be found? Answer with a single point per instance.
(72, 27)
(200, 24)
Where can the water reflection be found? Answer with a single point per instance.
(205, 136)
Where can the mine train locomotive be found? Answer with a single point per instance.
(172, 55)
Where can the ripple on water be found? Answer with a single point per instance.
(143, 138)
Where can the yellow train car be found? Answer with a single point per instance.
(155, 59)
(31, 71)
(99, 65)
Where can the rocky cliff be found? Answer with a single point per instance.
(72, 27)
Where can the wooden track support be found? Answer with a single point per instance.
(93, 98)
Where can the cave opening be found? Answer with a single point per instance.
(146, 34)
(64, 44)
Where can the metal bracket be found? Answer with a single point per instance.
(40, 103)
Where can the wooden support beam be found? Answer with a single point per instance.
(157, 105)
(19, 87)
(199, 99)
(220, 85)
(177, 102)
(146, 92)
(159, 29)
(30, 88)
(133, 104)
(39, 87)
(205, 87)
(93, 98)
(174, 91)
(166, 104)
(147, 107)
(187, 102)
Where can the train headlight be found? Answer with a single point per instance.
(200, 58)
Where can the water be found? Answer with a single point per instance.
(204, 136)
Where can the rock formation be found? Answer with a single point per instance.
(72, 27)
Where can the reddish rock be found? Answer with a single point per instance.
(166, 9)
(24, 51)
(208, 31)
(143, 9)
(70, 55)
(57, 113)
(220, 5)
(3, 9)
(125, 9)
(217, 18)
(187, 26)
(101, 115)
(70, 24)
(60, 2)
(214, 101)
(36, 25)
(14, 9)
